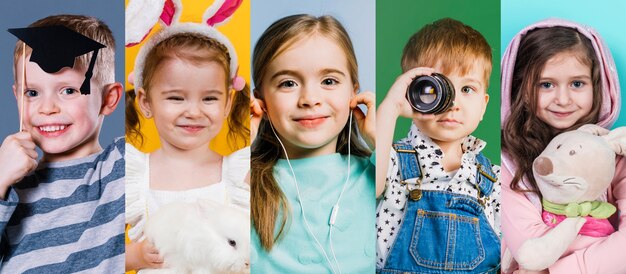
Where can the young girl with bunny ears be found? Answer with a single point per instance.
(184, 79)
(312, 182)
(557, 75)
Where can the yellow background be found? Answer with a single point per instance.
(237, 30)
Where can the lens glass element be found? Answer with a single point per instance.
(428, 94)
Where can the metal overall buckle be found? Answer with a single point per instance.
(482, 200)
(416, 193)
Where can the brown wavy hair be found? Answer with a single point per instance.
(524, 135)
(196, 49)
(267, 199)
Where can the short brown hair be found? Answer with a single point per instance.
(449, 43)
(104, 69)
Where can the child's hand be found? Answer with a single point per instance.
(17, 158)
(395, 104)
(142, 255)
(150, 255)
(256, 113)
(366, 123)
(396, 97)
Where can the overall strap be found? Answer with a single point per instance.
(485, 177)
(408, 164)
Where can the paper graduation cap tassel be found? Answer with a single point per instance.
(56, 47)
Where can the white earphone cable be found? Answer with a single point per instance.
(335, 210)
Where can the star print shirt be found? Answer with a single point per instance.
(391, 205)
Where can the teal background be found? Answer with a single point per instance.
(396, 22)
(608, 18)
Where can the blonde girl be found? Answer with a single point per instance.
(312, 182)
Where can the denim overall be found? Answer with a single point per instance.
(443, 232)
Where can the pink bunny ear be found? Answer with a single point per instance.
(169, 11)
(214, 17)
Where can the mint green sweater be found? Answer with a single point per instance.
(320, 180)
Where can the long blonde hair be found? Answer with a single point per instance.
(267, 198)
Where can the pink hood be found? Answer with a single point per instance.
(610, 93)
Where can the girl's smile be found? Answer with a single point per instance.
(561, 114)
(188, 101)
(311, 121)
(192, 129)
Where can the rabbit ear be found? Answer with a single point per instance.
(220, 11)
(171, 12)
(617, 140)
(142, 15)
(594, 129)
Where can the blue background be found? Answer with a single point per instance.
(357, 16)
(608, 18)
(19, 14)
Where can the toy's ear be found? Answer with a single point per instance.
(143, 15)
(617, 140)
(220, 11)
(594, 129)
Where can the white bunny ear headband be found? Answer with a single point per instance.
(142, 16)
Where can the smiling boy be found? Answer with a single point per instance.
(65, 212)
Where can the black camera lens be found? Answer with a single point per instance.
(431, 94)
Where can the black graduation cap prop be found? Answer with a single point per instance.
(56, 47)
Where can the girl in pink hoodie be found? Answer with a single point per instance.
(556, 76)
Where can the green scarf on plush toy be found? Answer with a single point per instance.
(596, 209)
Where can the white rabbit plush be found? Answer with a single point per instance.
(200, 237)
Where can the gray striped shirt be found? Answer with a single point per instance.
(67, 217)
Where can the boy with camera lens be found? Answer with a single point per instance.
(438, 208)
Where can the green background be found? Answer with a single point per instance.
(396, 22)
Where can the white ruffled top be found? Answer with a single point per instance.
(141, 201)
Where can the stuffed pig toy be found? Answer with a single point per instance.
(573, 174)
